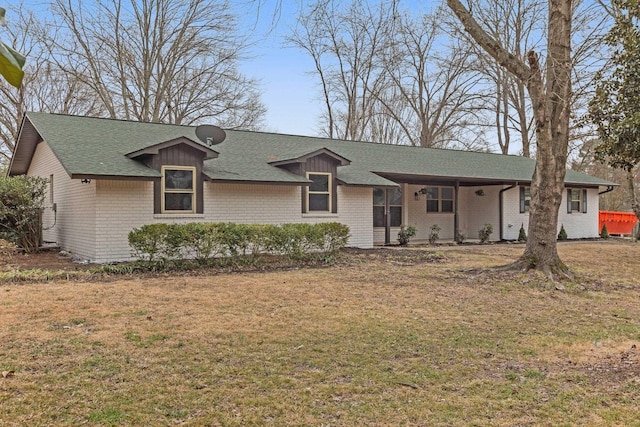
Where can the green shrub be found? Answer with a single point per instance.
(485, 233)
(460, 238)
(522, 235)
(150, 241)
(562, 235)
(204, 241)
(405, 234)
(294, 244)
(335, 236)
(201, 240)
(234, 238)
(21, 204)
(604, 233)
(433, 234)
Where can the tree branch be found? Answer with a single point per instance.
(488, 43)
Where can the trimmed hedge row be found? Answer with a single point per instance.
(204, 241)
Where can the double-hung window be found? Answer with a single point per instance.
(178, 189)
(440, 199)
(576, 200)
(395, 207)
(319, 193)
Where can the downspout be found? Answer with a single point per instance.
(501, 208)
(387, 218)
(609, 189)
(456, 215)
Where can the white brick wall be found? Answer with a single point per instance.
(121, 206)
(577, 225)
(512, 218)
(93, 220)
(125, 205)
(476, 211)
(419, 218)
(74, 228)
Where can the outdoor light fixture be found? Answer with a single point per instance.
(419, 193)
(85, 181)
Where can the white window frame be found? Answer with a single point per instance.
(579, 200)
(192, 191)
(329, 192)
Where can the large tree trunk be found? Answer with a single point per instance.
(635, 205)
(550, 100)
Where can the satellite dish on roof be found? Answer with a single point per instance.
(210, 134)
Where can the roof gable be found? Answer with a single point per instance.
(154, 149)
(302, 158)
(26, 143)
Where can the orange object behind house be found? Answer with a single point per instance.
(617, 222)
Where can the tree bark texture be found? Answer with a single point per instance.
(631, 186)
(550, 94)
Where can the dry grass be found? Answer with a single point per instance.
(391, 338)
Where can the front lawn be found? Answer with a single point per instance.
(395, 337)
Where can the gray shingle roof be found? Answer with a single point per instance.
(94, 146)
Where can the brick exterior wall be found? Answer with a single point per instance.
(75, 220)
(476, 211)
(578, 225)
(93, 220)
(125, 205)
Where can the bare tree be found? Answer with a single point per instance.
(172, 61)
(550, 93)
(590, 54)
(44, 87)
(432, 75)
(345, 44)
(517, 26)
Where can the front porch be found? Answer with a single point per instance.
(456, 207)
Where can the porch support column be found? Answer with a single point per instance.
(456, 216)
(387, 217)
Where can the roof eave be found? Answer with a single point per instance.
(20, 147)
